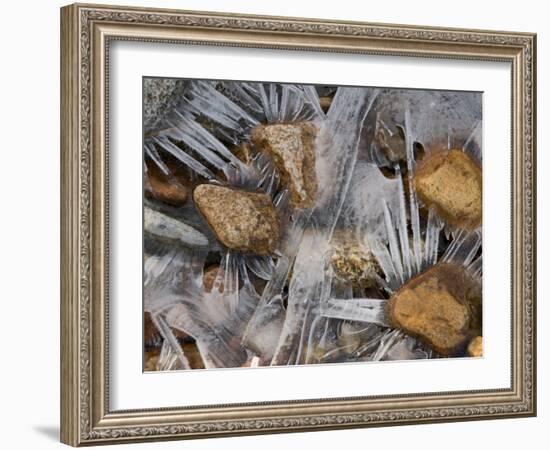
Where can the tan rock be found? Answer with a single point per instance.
(475, 347)
(325, 102)
(451, 183)
(291, 146)
(441, 307)
(243, 221)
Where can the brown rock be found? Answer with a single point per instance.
(191, 352)
(209, 277)
(242, 220)
(291, 146)
(325, 101)
(451, 183)
(150, 332)
(441, 307)
(244, 152)
(150, 361)
(475, 347)
(169, 189)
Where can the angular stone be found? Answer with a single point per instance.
(475, 347)
(169, 229)
(291, 146)
(243, 221)
(441, 307)
(451, 183)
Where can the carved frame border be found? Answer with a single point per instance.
(86, 31)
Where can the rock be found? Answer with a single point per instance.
(291, 146)
(151, 361)
(209, 276)
(391, 144)
(150, 332)
(165, 188)
(243, 221)
(451, 183)
(475, 347)
(325, 102)
(192, 353)
(169, 229)
(152, 337)
(353, 261)
(441, 307)
(160, 97)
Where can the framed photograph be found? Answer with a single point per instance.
(275, 224)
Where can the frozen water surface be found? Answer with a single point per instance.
(293, 306)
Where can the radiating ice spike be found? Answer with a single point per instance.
(313, 99)
(190, 162)
(413, 201)
(402, 226)
(392, 240)
(205, 138)
(151, 151)
(370, 310)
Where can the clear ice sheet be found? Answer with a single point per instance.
(303, 314)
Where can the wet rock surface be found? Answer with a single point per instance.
(243, 221)
(209, 278)
(165, 188)
(292, 148)
(441, 307)
(451, 183)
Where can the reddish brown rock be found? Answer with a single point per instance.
(170, 189)
(243, 221)
(291, 146)
(451, 183)
(441, 307)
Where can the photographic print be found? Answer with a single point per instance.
(290, 224)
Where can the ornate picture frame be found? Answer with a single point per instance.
(86, 34)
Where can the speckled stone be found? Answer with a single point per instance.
(441, 307)
(353, 261)
(291, 146)
(160, 97)
(451, 183)
(243, 221)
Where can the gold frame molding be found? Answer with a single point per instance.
(86, 31)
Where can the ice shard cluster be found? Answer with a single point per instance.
(291, 224)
